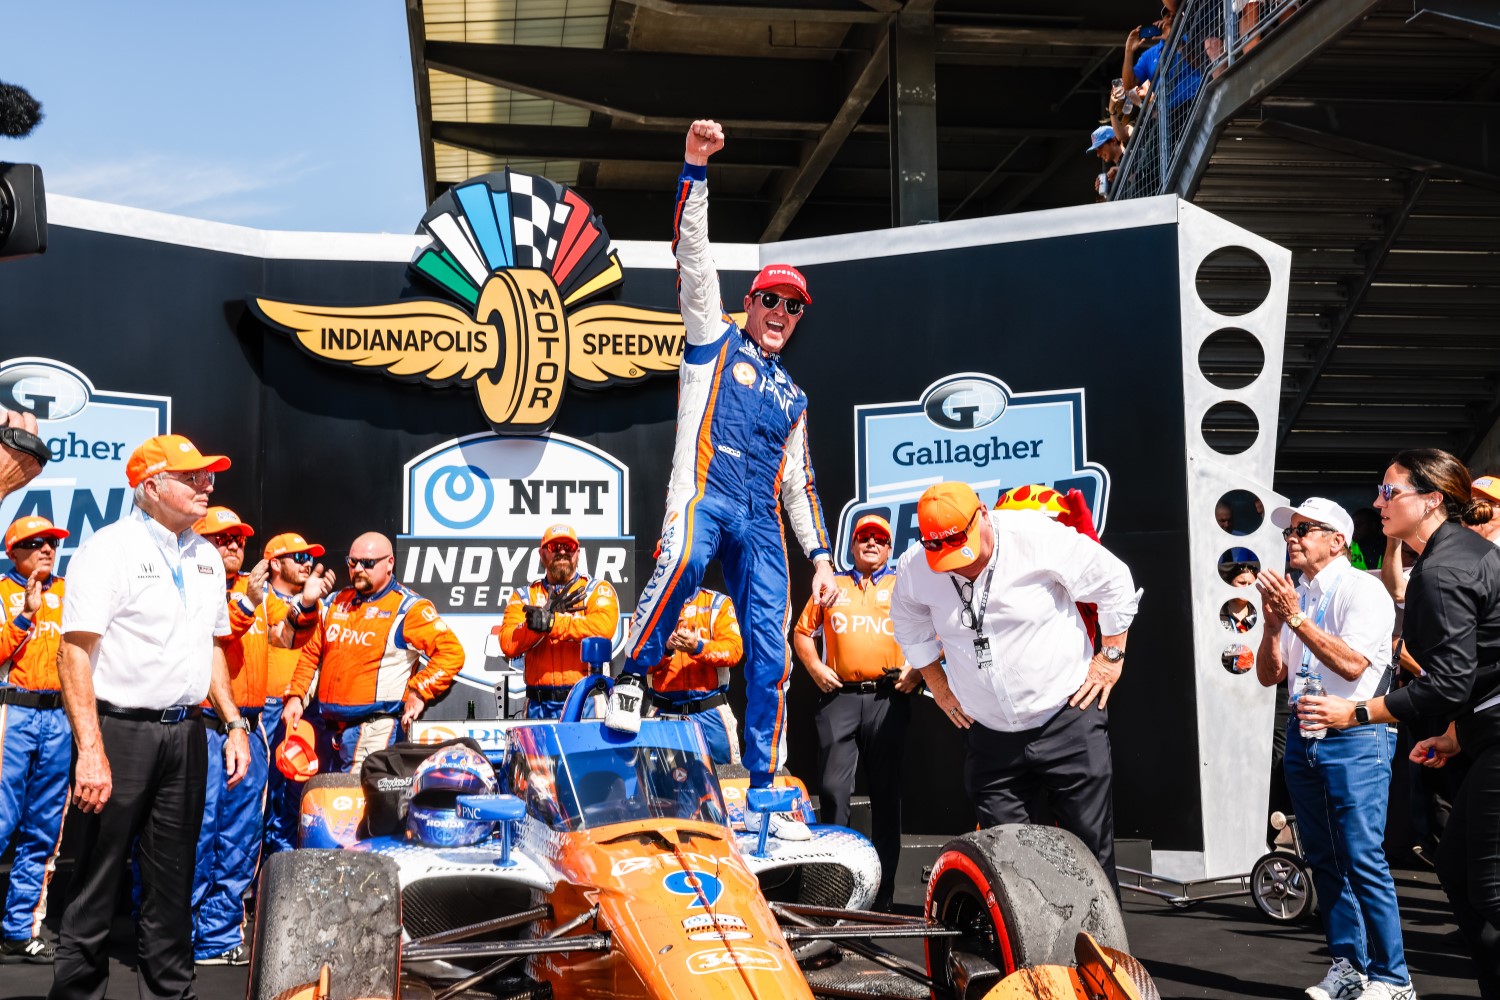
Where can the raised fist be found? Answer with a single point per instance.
(705, 138)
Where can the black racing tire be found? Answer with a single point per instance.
(1021, 894)
(1281, 884)
(341, 909)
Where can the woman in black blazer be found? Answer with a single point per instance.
(1452, 630)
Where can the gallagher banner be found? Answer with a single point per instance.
(970, 428)
(90, 432)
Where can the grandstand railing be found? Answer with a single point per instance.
(1207, 38)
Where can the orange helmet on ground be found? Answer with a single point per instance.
(297, 757)
(1033, 497)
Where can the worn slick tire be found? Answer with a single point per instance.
(1021, 893)
(338, 779)
(336, 908)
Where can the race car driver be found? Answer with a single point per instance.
(741, 450)
(294, 572)
(365, 655)
(229, 838)
(35, 738)
(547, 622)
(693, 680)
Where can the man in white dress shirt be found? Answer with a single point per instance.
(987, 609)
(142, 629)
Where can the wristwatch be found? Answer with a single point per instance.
(1296, 620)
(1362, 713)
(1112, 654)
(240, 723)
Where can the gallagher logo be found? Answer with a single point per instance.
(521, 254)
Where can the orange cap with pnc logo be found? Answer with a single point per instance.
(297, 757)
(169, 453)
(950, 511)
(290, 543)
(31, 526)
(559, 531)
(1487, 487)
(875, 521)
(217, 520)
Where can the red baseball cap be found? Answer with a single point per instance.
(217, 520)
(31, 526)
(781, 276)
(290, 543)
(950, 511)
(873, 521)
(169, 453)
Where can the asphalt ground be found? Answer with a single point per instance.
(1218, 949)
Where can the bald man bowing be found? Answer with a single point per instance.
(365, 650)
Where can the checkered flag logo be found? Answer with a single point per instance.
(538, 217)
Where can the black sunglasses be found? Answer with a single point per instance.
(1301, 530)
(363, 563)
(948, 541)
(770, 300)
(28, 544)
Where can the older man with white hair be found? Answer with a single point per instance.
(1332, 634)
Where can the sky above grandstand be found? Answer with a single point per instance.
(276, 114)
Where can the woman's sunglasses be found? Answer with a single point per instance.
(1389, 492)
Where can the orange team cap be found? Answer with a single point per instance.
(169, 453)
(217, 520)
(944, 511)
(781, 276)
(289, 543)
(873, 521)
(1485, 486)
(31, 526)
(296, 757)
(557, 531)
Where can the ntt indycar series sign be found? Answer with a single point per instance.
(90, 433)
(475, 509)
(971, 428)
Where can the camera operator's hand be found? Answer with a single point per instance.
(22, 453)
(538, 619)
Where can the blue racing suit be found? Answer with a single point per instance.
(741, 450)
(36, 749)
(228, 843)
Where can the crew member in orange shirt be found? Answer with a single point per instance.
(548, 621)
(866, 682)
(379, 653)
(229, 839)
(693, 679)
(36, 741)
(294, 572)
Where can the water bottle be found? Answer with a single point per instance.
(1314, 686)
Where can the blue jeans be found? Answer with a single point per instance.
(1339, 786)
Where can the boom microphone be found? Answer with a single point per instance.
(19, 111)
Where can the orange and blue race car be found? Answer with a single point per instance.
(572, 861)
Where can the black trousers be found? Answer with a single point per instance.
(1468, 864)
(870, 726)
(1064, 762)
(158, 772)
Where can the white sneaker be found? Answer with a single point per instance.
(1378, 990)
(784, 826)
(1341, 983)
(623, 713)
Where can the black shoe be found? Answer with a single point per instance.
(238, 955)
(35, 951)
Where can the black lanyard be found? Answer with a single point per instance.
(984, 601)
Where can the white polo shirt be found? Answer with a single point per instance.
(1359, 611)
(156, 601)
(1039, 645)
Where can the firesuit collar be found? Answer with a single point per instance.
(16, 578)
(361, 599)
(875, 577)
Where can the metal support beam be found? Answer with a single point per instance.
(1448, 138)
(1283, 51)
(1476, 20)
(1373, 262)
(416, 36)
(836, 11)
(913, 118)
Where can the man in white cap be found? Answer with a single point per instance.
(1337, 635)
